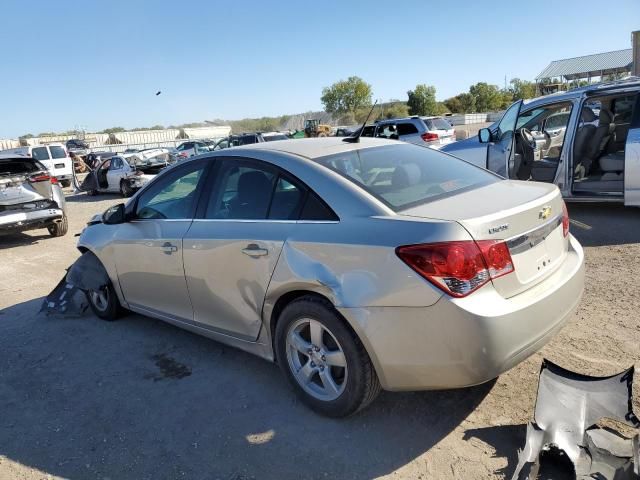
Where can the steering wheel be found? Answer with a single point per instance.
(528, 137)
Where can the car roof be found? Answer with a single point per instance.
(317, 147)
(579, 92)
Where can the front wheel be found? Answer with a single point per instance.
(125, 189)
(324, 361)
(104, 302)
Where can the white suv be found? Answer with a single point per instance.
(431, 132)
(53, 156)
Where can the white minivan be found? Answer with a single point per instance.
(54, 156)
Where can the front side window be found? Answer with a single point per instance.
(116, 163)
(173, 196)
(508, 120)
(40, 153)
(389, 130)
(406, 175)
(57, 152)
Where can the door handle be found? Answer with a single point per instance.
(168, 248)
(254, 250)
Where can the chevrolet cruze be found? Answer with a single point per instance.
(356, 266)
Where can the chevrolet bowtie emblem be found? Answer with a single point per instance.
(544, 213)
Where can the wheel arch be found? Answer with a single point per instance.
(275, 309)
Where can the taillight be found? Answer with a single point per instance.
(565, 219)
(458, 268)
(54, 181)
(39, 177)
(429, 137)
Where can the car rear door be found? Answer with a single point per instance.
(632, 159)
(115, 174)
(148, 249)
(501, 147)
(231, 250)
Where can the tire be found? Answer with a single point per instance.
(125, 189)
(92, 193)
(65, 183)
(104, 303)
(59, 229)
(354, 386)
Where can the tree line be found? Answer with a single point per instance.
(351, 99)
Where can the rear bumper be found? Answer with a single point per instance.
(466, 341)
(17, 221)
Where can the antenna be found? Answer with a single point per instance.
(356, 137)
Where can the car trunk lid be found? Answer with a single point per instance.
(527, 215)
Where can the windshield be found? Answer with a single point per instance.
(57, 152)
(437, 124)
(406, 175)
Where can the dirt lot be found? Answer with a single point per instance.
(81, 398)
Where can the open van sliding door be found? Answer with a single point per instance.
(632, 160)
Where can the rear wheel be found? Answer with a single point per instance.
(324, 361)
(60, 228)
(104, 303)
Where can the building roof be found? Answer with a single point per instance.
(589, 65)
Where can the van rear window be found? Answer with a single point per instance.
(405, 175)
(57, 152)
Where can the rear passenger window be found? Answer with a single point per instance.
(286, 201)
(40, 153)
(57, 152)
(407, 129)
(315, 209)
(389, 131)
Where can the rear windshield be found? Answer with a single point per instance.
(271, 138)
(437, 124)
(406, 175)
(57, 152)
(12, 167)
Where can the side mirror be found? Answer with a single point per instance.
(484, 135)
(114, 215)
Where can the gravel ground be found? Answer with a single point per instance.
(81, 398)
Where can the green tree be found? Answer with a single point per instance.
(113, 130)
(392, 110)
(25, 136)
(461, 103)
(422, 100)
(488, 98)
(521, 89)
(346, 96)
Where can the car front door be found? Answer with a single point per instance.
(500, 149)
(148, 249)
(231, 252)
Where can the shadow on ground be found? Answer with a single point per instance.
(506, 440)
(19, 239)
(601, 224)
(85, 198)
(137, 398)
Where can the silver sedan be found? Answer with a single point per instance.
(356, 266)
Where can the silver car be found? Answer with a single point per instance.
(355, 266)
(30, 198)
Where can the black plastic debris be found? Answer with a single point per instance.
(575, 423)
(68, 297)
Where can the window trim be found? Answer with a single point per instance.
(278, 172)
(130, 210)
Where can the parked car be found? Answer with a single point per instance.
(94, 159)
(585, 141)
(357, 266)
(249, 139)
(115, 174)
(424, 131)
(149, 158)
(53, 156)
(30, 198)
(192, 148)
(80, 147)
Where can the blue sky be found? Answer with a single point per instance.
(98, 64)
